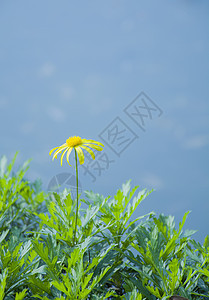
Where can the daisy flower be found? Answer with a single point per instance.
(76, 143)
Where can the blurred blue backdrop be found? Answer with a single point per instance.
(73, 67)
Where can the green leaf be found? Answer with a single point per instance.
(174, 275)
(206, 242)
(60, 286)
(3, 281)
(37, 285)
(142, 289)
(10, 166)
(3, 163)
(21, 295)
(181, 224)
(154, 291)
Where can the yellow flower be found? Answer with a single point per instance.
(78, 144)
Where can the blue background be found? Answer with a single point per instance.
(71, 67)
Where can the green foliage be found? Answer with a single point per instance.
(80, 280)
(114, 257)
(18, 198)
(164, 265)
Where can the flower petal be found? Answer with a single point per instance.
(89, 151)
(91, 141)
(68, 153)
(63, 155)
(98, 148)
(58, 151)
(53, 150)
(56, 148)
(80, 154)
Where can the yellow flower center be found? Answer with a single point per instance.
(73, 141)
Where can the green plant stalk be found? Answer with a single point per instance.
(76, 217)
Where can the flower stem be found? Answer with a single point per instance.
(76, 217)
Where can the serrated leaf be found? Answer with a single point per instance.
(60, 286)
(20, 295)
(206, 242)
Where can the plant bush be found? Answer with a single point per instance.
(113, 256)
